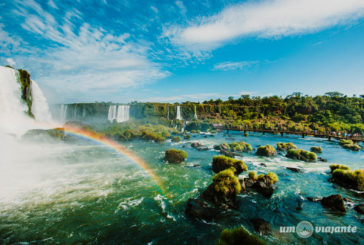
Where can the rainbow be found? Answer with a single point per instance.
(97, 137)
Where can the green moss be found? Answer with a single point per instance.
(175, 156)
(316, 149)
(187, 136)
(176, 139)
(195, 131)
(220, 163)
(266, 151)
(345, 142)
(253, 175)
(285, 146)
(240, 147)
(26, 89)
(238, 236)
(260, 176)
(274, 178)
(338, 166)
(246, 134)
(353, 147)
(226, 182)
(351, 178)
(57, 133)
(300, 154)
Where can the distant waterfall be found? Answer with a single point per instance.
(123, 113)
(195, 116)
(168, 112)
(63, 113)
(179, 116)
(119, 113)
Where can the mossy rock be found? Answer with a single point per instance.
(226, 183)
(187, 136)
(345, 142)
(299, 154)
(273, 177)
(175, 156)
(285, 146)
(240, 147)
(352, 147)
(266, 151)
(238, 236)
(338, 166)
(220, 163)
(176, 139)
(253, 175)
(246, 134)
(56, 133)
(316, 149)
(349, 178)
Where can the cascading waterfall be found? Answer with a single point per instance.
(195, 116)
(179, 116)
(40, 106)
(168, 112)
(120, 113)
(13, 110)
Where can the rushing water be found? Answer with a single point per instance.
(82, 192)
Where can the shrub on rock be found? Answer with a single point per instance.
(349, 178)
(187, 136)
(338, 166)
(266, 151)
(226, 182)
(175, 156)
(253, 175)
(285, 146)
(273, 177)
(240, 146)
(350, 145)
(316, 149)
(300, 154)
(238, 236)
(220, 163)
(176, 139)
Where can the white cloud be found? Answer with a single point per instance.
(231, 66)
(181, 7)
(85, 58)
(7, 41)
(10, 61)
(264, 19)
(52, 4)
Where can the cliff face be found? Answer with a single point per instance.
(26, 89)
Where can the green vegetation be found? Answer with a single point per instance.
(273, 177)
(26, 89)
(316, 149)
(349, 144)
(220, 163)
(338, 166)
(266, 151)
(130, 131)
(246, 134)
(175, 156)
(300, 154)
(176, 139)
(348, 178)
(253, 175)
(238, 236)
(226, 182)
(240, 147)
(187, 136)
(285, 146)
(57, 133)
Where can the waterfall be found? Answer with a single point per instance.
(120, 113)
(40, 107)
(63, 114)
(195, 116)
(179, 117)
(83, 112)
(123, 113)
(168, 112)
(14, 119)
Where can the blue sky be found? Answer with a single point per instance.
(122, 51)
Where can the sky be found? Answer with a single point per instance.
(173, 51)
